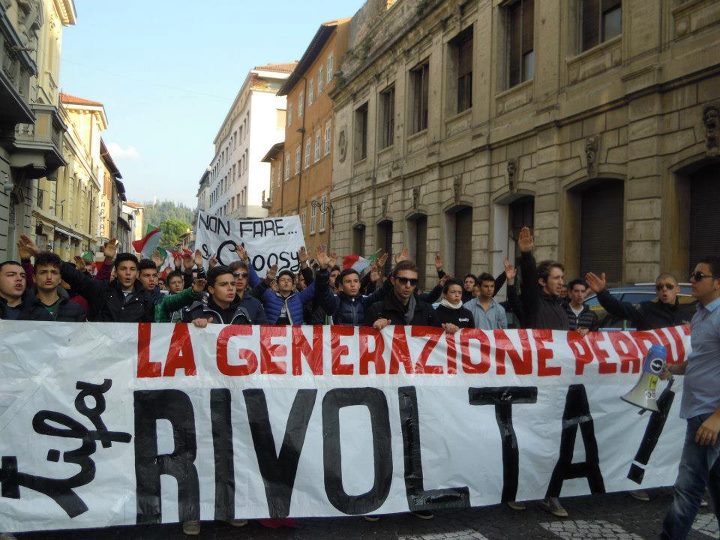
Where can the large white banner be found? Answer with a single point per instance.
(268, 241)
(117, 424)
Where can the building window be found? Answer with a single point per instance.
(387, 117)
(307, 153)
(297, 160)
(521, 54)
(318, 146)
(289, 114)
(311, 92)
(301, 103)
(302, 219)
(328, 137)
(600, 20)
(321, 80)
(329, 68)
(313, 216)
(361, 132)
(419, 97)
(462, 62)
(323, 211)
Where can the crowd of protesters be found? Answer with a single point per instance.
(125, 289)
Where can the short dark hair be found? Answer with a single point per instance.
(146, 264)
(10, 262)
(335, 268)
(574, 282)
(485, 277)
(122, 257)
(407, 264)
(714, 263)
(215, 273)
(174, 274)
(47, 258)
(450, 282)
(342, 275)
(475, 279)
(544, 268)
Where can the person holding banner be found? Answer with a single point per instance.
(542, 307)
(451, 309)
(700, 406)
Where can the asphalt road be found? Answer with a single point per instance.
(613, 516)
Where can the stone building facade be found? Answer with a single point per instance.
(307, 154)
(239, 181)
(31, 126)
(595, 123)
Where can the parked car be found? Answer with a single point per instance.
(636, 293)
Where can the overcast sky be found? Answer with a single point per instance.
(167, 72)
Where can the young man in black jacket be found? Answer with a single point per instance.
(666, 311)
(542, 307)
(580, 316)
(402, 306)
(451, 310)
(56, 300)
(16, 302)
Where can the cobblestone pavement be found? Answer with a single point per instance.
(614, 516)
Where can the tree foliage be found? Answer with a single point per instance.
(173, 220)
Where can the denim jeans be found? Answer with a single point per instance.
(699, 467)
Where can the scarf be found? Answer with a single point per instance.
(447, 304)
(410, 310)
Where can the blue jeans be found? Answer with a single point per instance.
(699, 467)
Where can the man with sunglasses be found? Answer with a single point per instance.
(700, 406)
(666, 311)
(402, 305)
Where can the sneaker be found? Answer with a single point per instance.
(371, 519)
(640, 495)
(237, 522)
(552, 505)
(423, 514)
(515, 505)
(191, 528)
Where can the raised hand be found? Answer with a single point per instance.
(404, 255)
(526, 242)
(187, 261)
(213, 262)
(26, 247)
(303, 257)
(110, 250)
(438, 261)
(79, 263)
(510, 271)
(198, 258)
(595, 282)
(198, 285)
(157, 258)
(380, 263)
(322, 257)
(271, 273)
(241, 252)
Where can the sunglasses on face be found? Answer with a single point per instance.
(697, 276)
(661, 286)
(238, 275)
(405, 281)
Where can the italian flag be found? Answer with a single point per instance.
(357, 263)
(149, 243)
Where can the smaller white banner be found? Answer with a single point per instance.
(268, 241)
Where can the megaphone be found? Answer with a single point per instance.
(643, 394)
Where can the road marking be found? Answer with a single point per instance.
(465, 534)
(570, 529)
(707, 524)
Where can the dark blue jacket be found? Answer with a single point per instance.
(273, 301)
(345, 309)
